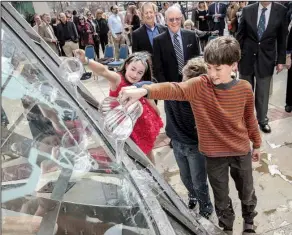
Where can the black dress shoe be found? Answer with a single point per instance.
(192, 203)
(288, 108)
(265, 128)
(206, 215)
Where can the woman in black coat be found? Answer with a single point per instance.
(288, 106)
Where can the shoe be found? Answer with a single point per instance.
(206, 215)
(228, 231)
(288, 108)
(248, 229)
(265, 128)
(192, 203)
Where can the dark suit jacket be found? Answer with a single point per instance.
(289, 42)
(270, 49)
(141, 40)
(222, 11)
(164, 59)
(73, 35)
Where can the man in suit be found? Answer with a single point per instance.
(67, 35)
(262, 36)
(47, 33)
(171, 51)
(143, 37)
(216, 16)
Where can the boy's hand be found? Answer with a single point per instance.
(256, 153)
(129, 95)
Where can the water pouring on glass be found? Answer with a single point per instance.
(71, 70)
(119, 121)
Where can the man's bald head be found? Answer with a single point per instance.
(63, 17)
(173, 9)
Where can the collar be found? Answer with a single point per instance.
(178, 33)
(148, 27)
(268, 7)
(226, 86)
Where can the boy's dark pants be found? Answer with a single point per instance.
(241, 172)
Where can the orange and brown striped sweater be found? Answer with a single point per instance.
(225, 118)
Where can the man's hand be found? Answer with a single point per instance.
(279, 68)
(288, 61)
(256, 153)
(129, 95)
(54, 40)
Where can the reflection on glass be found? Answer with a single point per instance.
(51, 154)
(32, 210)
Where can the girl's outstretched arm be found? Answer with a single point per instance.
(99, 69)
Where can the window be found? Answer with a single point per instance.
(58, 175)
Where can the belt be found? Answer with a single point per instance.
(68, 40)
(118, 33)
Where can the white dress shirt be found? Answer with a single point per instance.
(267, 13)
(115, 25)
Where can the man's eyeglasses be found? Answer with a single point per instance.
(174, 19)
(81, 19)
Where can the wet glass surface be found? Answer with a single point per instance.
(57, 173)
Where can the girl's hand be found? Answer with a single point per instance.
(256, 153)
(129, 95)
(80, 54)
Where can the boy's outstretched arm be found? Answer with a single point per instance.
(252, 125)
(183, 91)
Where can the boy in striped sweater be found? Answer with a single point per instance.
(223, 108)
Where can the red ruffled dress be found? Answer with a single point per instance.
(148, 124)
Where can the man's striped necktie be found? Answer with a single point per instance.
(178, 53)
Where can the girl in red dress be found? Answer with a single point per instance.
(136, 68)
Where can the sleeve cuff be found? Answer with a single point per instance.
(147, 96)
(256, 146)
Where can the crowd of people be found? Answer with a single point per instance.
(209, 102)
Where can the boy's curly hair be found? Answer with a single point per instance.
(194, 68)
